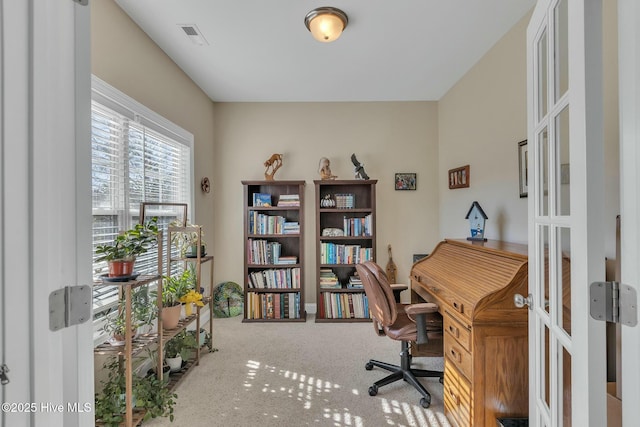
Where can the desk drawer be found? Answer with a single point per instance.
(459, 356)
(457, 330)
(457, 397)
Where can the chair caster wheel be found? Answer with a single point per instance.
(368, 366)
(425, 403)
(373, 390)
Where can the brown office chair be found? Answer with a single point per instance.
(401, 322)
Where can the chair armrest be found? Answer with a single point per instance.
(421, 308)
(418, 314)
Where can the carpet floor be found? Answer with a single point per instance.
(301, 374)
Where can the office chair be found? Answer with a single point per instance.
(407, 323)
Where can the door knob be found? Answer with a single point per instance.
(520, 301)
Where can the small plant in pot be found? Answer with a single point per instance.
(149, 393)
(142, 313)
(122, 252)
(175, 288)
(179, 348)
(186, 242)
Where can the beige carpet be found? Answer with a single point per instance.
(300, 374)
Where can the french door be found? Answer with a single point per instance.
(566, 237)
(45, 210)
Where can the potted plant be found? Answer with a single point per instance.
(142, 314)
(149, 393)
(186, 242)
(175, 288)
(122, 252)
(179, 348)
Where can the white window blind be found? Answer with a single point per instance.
(137, 156)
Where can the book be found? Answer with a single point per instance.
(261, 199)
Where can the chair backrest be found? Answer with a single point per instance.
(382, 303)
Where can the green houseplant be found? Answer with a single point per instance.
(149, 393)
(143, 312)
(122, 252)
(186, 242)
(174, 288)
(179, 348)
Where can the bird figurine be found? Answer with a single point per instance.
(359, 168)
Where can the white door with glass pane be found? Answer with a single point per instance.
(566, 237)
(44, 210)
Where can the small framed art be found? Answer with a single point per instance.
(459, 177)
(405, 181)
(523, 159)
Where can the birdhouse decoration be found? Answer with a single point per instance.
(476, 217)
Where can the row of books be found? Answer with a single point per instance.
(263, 252)
(332, 253)
(278, 278)
(343, 305)
(271, 224)
(289, 200)
(264, 199)
(345, 201)
(273, 306)
(358, 226)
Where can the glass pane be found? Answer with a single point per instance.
(545, 370)
(566, 388)
(561, 49)
(544, 255)
(542, 76)
(563, 163)
(543, 173)
(564, 278)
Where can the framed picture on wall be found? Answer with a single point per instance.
(405, 181)
(459, 177)
(523, 161)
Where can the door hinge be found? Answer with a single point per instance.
(82, 2)
(613, 302)
(69, 306)
(4, 379)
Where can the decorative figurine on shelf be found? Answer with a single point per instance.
(359, 168)
(324, 169)
(476, 217)
(272, 164)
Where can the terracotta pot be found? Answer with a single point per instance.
(121, 267)
(171, 316)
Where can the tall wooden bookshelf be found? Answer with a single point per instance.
(274, 251)
(345, 235)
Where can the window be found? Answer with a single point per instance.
(136, 156)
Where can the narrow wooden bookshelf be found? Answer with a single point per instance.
(274, 251)
(345, 236)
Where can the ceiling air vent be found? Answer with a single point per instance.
(194, 34)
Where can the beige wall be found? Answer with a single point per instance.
(387, 137)
(478, 122)
(126, 58)
(481, 120)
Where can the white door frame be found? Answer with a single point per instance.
(46, 211)
(629, 101)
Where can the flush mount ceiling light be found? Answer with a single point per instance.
(326, 23)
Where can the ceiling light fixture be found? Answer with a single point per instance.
(326, 23)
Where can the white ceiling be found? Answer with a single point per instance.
(261, 51)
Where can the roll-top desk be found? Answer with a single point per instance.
(485, 340)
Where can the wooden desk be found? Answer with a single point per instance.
(485, 340)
